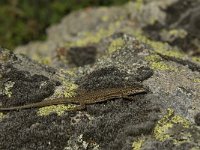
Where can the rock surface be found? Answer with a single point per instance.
(113, 53)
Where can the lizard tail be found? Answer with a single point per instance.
(38, 105)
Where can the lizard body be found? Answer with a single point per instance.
(85, 98)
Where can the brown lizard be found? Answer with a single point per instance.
(86, 98)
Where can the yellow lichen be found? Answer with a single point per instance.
(68, 88)
(137, 144)
(153, 58)
(161, 66)
(159, 47)
(156, 63)
(105, 18)
(40, 58)
(171, 53)
(2, 116)
(170, 35)
(180, 120)
(138, 4)
(92, 38)
(178, 33)
(115, 45)
(59, 109)
(196, 59)
(166, 122)
(8, 87)
(197, 80)
(45, 60)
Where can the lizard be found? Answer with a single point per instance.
(84, 98)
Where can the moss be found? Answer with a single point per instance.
(7, 88)
(115, 45)
(59, 109)
(92, 38)
(137, 144)
(167, 122)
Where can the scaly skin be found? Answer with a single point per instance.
(85, 98)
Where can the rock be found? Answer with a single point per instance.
(166, 117)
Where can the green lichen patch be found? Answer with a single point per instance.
(169, 121)
(115, 45)
(68, 87)
(105, 18)
(196, 59)
(67, 90)
(8, 88)
(59, 109)
(138, 4)
(156, 63)
(44, 60)
(197, 80)
(162, 66)
(93, 38)
(171, 53)
(159, 47)
(171, 35)
(138, 144)
(2, 116)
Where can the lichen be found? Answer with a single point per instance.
(171, 35)
(162, 66)
(39, 57)
(168, 121)
(79, 143)
(171, 53)
(68, 87)
(138, 144)
(59, 109)
(178, 33)
(196, 59)
(105, 18)
(45, 60)
(153, 58)
(92, 38)
(159, 47)
(156, 63)
(197, 80)
(67, 90)
(7, 88)
(115, 45)
(138, 4)
(2, 116)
